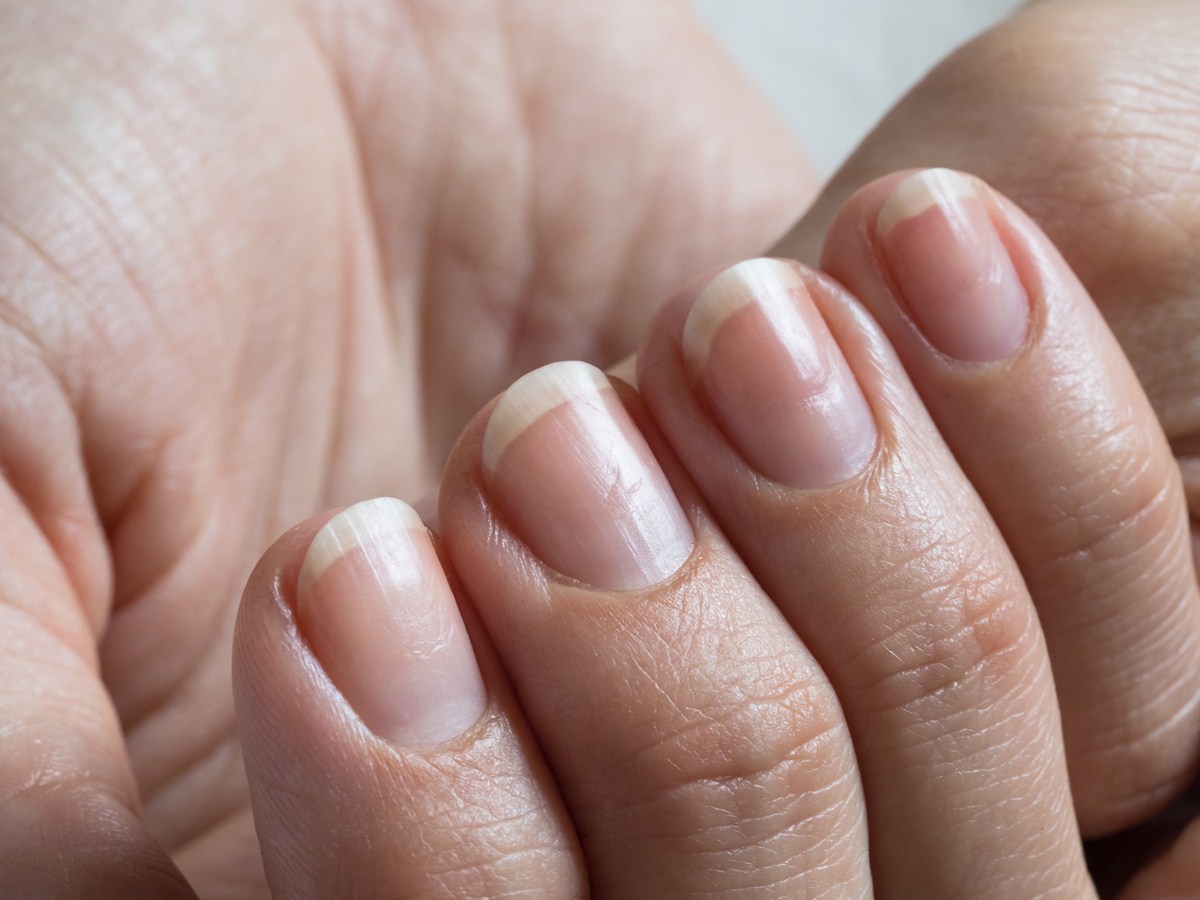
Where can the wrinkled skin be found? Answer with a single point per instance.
(259, 259)
(1087, 114)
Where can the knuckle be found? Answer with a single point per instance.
(962, 632)
(1119, 522)
(1136, 761)
(769, 772)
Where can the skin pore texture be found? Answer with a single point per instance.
(255, 264)
(723, 669)
(262, 259)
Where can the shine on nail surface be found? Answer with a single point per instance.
(578, 483)
(374, 604)
(953, 272)
(774, 378)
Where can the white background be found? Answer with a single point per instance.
(833, 67)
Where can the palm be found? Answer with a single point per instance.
(275, 253)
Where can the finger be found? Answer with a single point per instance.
(383, 759)
(70, 817)
(1093, 134)
(699, 748)
(797, 423)
(70, 822)
(1047, 419)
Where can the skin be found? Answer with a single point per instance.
(869, 646)
(1101, 161)
(252, 266)
(137, 494)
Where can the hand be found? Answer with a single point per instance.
(1086, 114)
(262, 258)
(760, 634)
(1130, 237)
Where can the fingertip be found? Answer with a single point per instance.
(75, 841)
(375, 754)
(356, 603)
(852, 229)
(966, 270)
(1052, 427)
(374, 604)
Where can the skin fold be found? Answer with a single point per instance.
(753, 672)
(255, 264)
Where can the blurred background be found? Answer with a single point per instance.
(833, 67)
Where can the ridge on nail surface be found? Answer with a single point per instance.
(950, 270)
(378, 613)
(771, 374)
(576, 480)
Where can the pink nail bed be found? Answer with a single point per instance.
(774, 378)
(952, 270)
(577, 482)
(374, 604)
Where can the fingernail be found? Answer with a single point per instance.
(578, 483)
(954, 275)
(775, 379)
(373, 602)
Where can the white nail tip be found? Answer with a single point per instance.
(378, 520)
(919, 192)
(766, 281)
(534, 395)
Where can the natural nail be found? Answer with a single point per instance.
(774, 377)
(578, 483)
(376, 608)
(954, 275)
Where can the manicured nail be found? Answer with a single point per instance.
(374, 604)
(577, 482)
(954, 275)
(775, 379)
